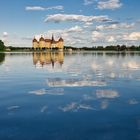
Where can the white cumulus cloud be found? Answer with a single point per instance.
(76, 18)
(134, 36)
(5, 34)
(97, 36)
(40, 8)
(109, 4)
(88, 2)
(75, 29)
(115, 26)
(110, 39)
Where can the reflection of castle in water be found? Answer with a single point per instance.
(48, 58)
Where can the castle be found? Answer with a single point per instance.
(47, 43)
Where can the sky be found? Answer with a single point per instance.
(80, 22)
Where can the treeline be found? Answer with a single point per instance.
(19, 48)
(2, 46)
(107, 48)
(27, 49)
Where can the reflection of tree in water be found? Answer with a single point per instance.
(2, 58)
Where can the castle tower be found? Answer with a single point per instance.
(41, 43)
(53, 42)
(47, 43)
(61, 43)
(35, 43)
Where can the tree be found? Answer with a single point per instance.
(2, 58)
(2, 46)
(123, 48)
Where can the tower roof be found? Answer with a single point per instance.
(35, 40)
(61, 39)
(41, 39)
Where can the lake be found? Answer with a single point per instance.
(70, 96)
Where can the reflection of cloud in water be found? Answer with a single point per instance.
(55, 91)
(44, 109)
(69, 107)
(99, 74)
(106, 94)
(38, 92)
(138, 78)
(132, 65)
(95, 66)
(112, 75)
(12, 108)
(133, 101)
(104, 104)
(114, 67)
(7, 68)
(75, 107)
(38, 65)
(84, 106)
(89, 97)
(110, 62)
(87, 76)
(56, 82)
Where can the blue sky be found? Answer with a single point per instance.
(79, 22)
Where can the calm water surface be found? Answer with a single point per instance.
(80, 96)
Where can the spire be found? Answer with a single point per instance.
(53, 41)
(52, 37)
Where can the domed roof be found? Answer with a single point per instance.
(35, 40)
(41, 39)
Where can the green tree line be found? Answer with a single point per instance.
(2, 46)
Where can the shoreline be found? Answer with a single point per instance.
(73, 51)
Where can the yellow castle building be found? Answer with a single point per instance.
(48, 43)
